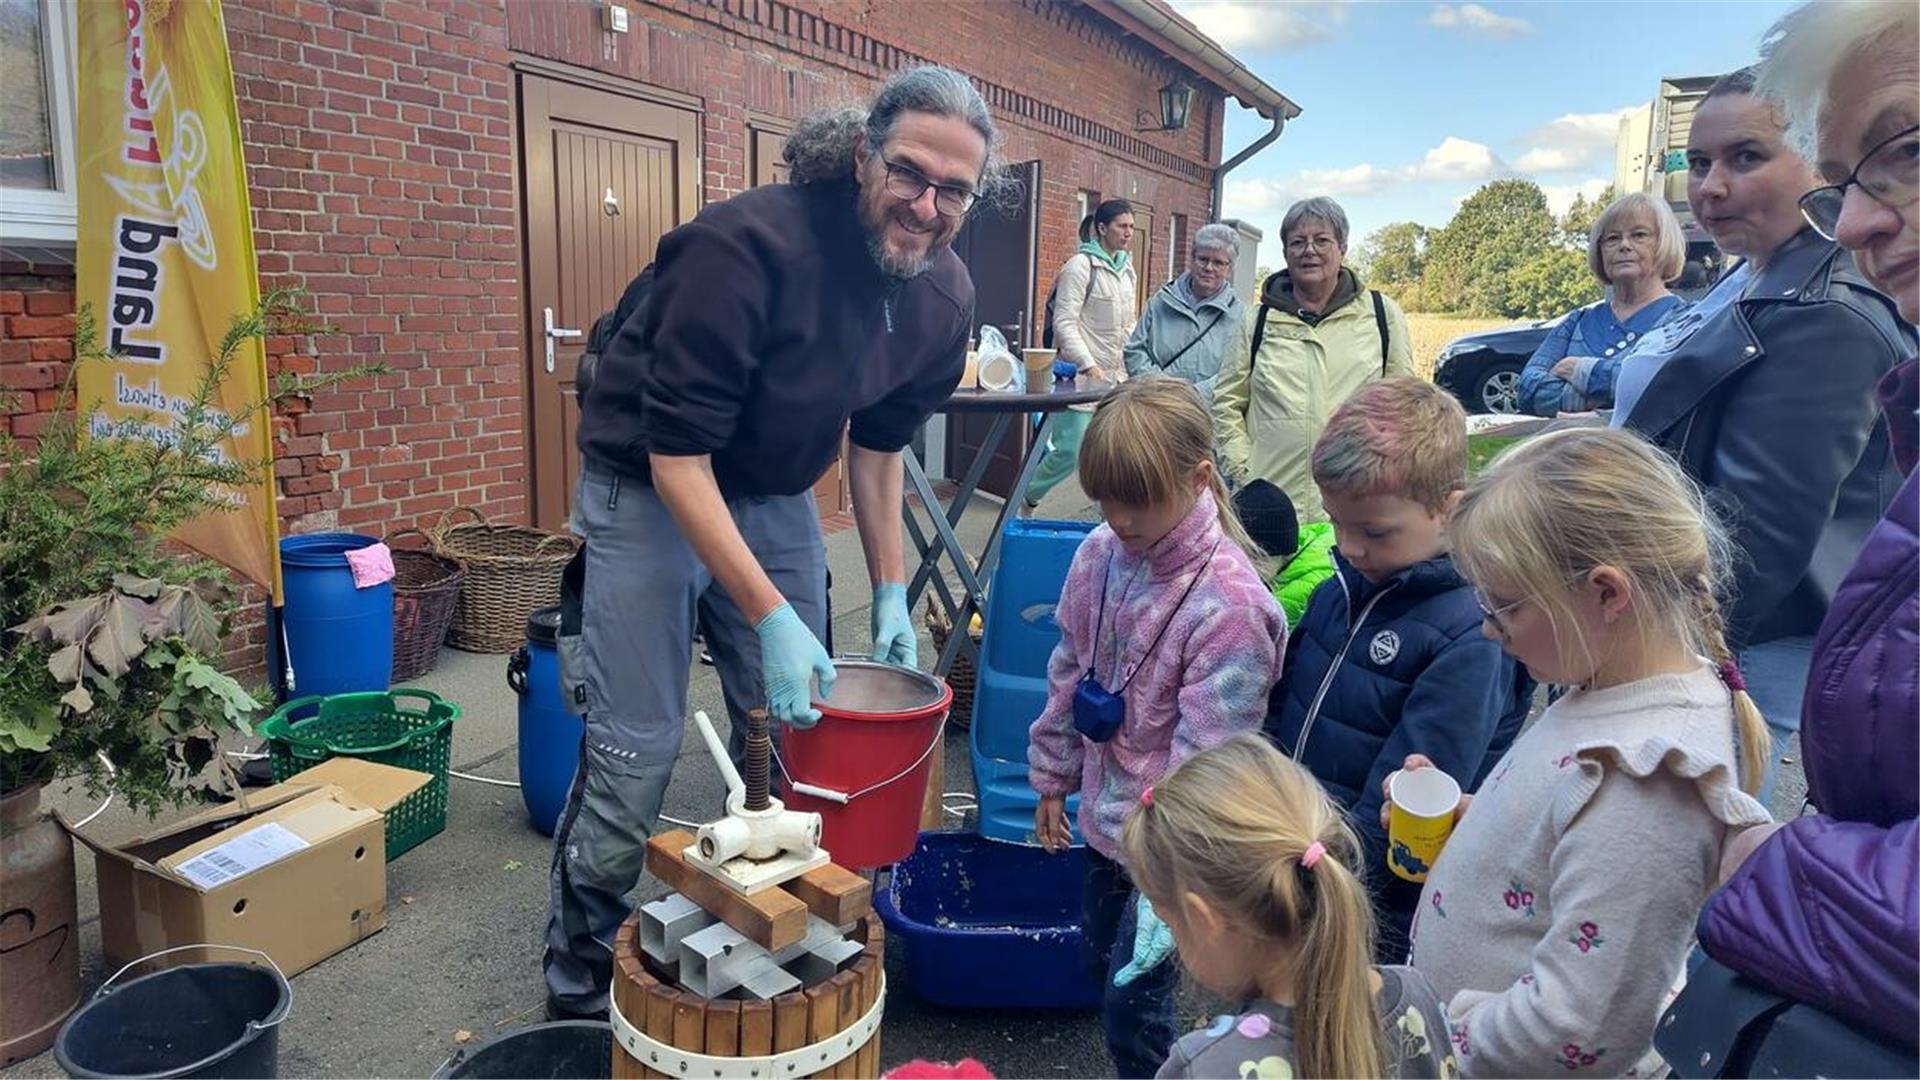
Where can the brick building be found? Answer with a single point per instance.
(450, 178)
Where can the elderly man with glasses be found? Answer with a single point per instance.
(1317, 335)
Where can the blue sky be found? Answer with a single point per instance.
(1409, 107)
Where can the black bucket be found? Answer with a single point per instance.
(563, 1050)
(216, 1020)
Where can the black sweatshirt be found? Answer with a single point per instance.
(768, 328)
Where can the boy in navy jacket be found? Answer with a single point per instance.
(1388, 659)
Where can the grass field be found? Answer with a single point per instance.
(1432, 332)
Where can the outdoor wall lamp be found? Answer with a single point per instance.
(1176, 102)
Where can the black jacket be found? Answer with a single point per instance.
(1771, 407)
(768, 328)
(1376, 672)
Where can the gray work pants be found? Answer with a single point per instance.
(645, 592)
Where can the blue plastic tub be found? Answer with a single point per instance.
(549, 734)
(1020, 632)
(988, 925)
(339, 637)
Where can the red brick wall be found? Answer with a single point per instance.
(378, 138)
(36, 346)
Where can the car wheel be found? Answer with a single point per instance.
(1496, 389)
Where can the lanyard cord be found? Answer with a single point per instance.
(1100, 618)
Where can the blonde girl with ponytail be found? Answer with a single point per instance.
(1559, 915)
(1255, 872)
(1169, 643)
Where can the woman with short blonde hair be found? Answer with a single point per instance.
(1635, 249)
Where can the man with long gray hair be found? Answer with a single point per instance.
(776, 321)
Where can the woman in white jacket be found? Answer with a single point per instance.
(1096, 301)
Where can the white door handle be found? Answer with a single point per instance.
(555, 333)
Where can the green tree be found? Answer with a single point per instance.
(1394, 254)
(1502, 226)
(1577, 223)
(1552, 281)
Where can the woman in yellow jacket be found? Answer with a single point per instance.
(1317, 335)
(1095, 304)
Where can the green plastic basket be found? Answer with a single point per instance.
(409, 729)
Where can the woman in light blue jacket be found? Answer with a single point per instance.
(1191, 321)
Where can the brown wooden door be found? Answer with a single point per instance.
(831, 492)
(605, 175)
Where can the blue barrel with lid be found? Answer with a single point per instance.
(549, 734)
(339, 638)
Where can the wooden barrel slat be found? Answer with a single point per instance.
(823, 1018)
(689, 1022)
(850, 1011)
(723, 1028)
(867, 1062)
(756, 1028)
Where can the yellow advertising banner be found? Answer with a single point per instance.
(165, 248)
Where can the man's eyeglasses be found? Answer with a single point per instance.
(1889, 174)
(906, 183)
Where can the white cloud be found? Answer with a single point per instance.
(1459, 159)
(1571, 143)
(1477, 19)
(1259, 27)
(1454, 160)
(1560, 196)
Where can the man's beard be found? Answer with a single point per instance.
(874, 221)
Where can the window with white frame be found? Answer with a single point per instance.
(36, 121)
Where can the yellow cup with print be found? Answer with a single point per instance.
(1419, 820)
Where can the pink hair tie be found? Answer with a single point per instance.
(1730, 674)
(1310, 858)
(1146, 796)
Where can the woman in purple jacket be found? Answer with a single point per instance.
(1826, 909)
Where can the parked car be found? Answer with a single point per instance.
(1483, 370)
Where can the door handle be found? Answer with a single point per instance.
(555, 333)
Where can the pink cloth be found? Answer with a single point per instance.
(1208, 678)
(372, 565)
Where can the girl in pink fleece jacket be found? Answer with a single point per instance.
(1169, 643)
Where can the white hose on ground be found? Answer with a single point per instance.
(102, 808)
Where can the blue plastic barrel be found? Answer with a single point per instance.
(339, 637)
(549, 734)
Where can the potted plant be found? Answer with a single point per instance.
(111, 638)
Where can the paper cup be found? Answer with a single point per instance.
(999, 371)
(1419, 820)
(1039, 369)
(970, 375)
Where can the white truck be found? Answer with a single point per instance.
(1650, 155)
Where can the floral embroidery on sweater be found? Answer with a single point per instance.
(1588, 938)
(1519, 898)
(1573, 1056)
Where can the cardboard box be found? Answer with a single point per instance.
(297, 870)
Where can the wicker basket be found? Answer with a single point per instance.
(961, 676)
(512, 570)
(426, 588)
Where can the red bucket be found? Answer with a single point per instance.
(863, 768)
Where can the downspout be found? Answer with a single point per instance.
(1241, 158)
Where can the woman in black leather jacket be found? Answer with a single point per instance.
(1769, 401)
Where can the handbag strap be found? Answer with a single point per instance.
(1218, 313)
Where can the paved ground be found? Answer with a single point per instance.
(461, 951)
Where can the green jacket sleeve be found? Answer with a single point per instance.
(1295, 583)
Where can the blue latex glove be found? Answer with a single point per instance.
(894, 641)
(790, 659)
(1152, 943)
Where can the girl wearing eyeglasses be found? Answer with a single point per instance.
(1764, 389)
